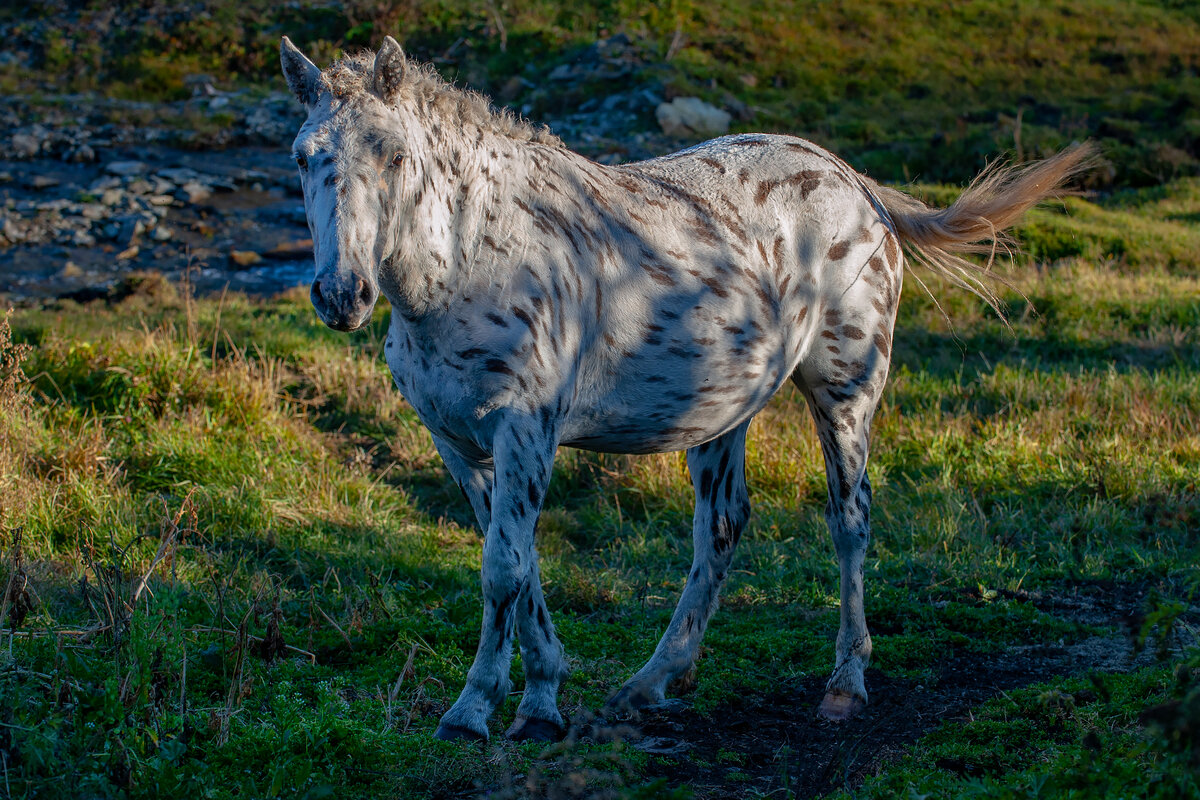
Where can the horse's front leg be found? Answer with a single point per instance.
(523, 456)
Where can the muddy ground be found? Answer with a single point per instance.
(784, 748)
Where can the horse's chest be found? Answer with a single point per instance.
(434, 388)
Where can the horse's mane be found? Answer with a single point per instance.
(432, 96)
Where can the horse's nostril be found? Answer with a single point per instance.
(318, 294)
(365, 295)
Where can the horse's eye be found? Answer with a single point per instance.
(301, 161)
(397, 159)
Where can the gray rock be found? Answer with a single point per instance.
(689, 116)
(83, 154)
(126, 168)
(25, 145)
(193, 192)
(39, 182)
(93, 211)
(82, 239)
(139, 186)
(112, 197)
(103, 183)
(162, 234)
(178, 175)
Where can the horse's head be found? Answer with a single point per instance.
(353, 153)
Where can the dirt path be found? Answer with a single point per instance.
(767, 744)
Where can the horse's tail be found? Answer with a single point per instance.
(976, 221)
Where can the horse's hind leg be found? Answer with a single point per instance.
(842, 407)
(718, 471)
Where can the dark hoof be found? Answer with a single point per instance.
(536, 730)
(840, 707)
(455, 733)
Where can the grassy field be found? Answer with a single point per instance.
(905, 90)
(235, 567)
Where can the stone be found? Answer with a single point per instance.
(690, 116)
(139, 186)
(83, 154)
(24, 145)
(193, 192)
(105, 182)
(70, 270)
(128, 253)
(82, 239)
(126, 168)
(160, 200)
(244, 258)
(39, 182)
(112, 197)
(162, 234)
(295, 250)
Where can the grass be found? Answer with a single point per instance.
(915, 90)
(234, 565)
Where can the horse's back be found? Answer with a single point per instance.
(747, 254)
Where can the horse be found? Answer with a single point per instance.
(540, 300)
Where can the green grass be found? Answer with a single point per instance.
(915, 90)
(311, 598)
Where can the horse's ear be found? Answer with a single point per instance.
(303, 76)
(390, 66)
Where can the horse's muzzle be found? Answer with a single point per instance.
(343, 304)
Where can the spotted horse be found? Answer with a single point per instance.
(540, 299)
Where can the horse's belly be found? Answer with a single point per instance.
(667, 406)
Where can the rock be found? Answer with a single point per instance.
(6, 176)
(24, 145)
(291, 251)
(11, 230)
(83, 154)
(192, 192)
(39, 182)
(106, 182)
(160, 199)
(112, 197)
(244, 258)
(178, 175)
(687, 116)
(93, 211)
(70, 270)
(126, 168)
(217, 103)
(162, 234)
(139, 186)
(128, 253)
(82, 239)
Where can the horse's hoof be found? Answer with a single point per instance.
(631, 701)
(457, 733)
(840, 707)
(536, 730)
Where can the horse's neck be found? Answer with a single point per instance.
(438, 255)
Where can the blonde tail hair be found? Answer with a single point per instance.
(976, 221)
